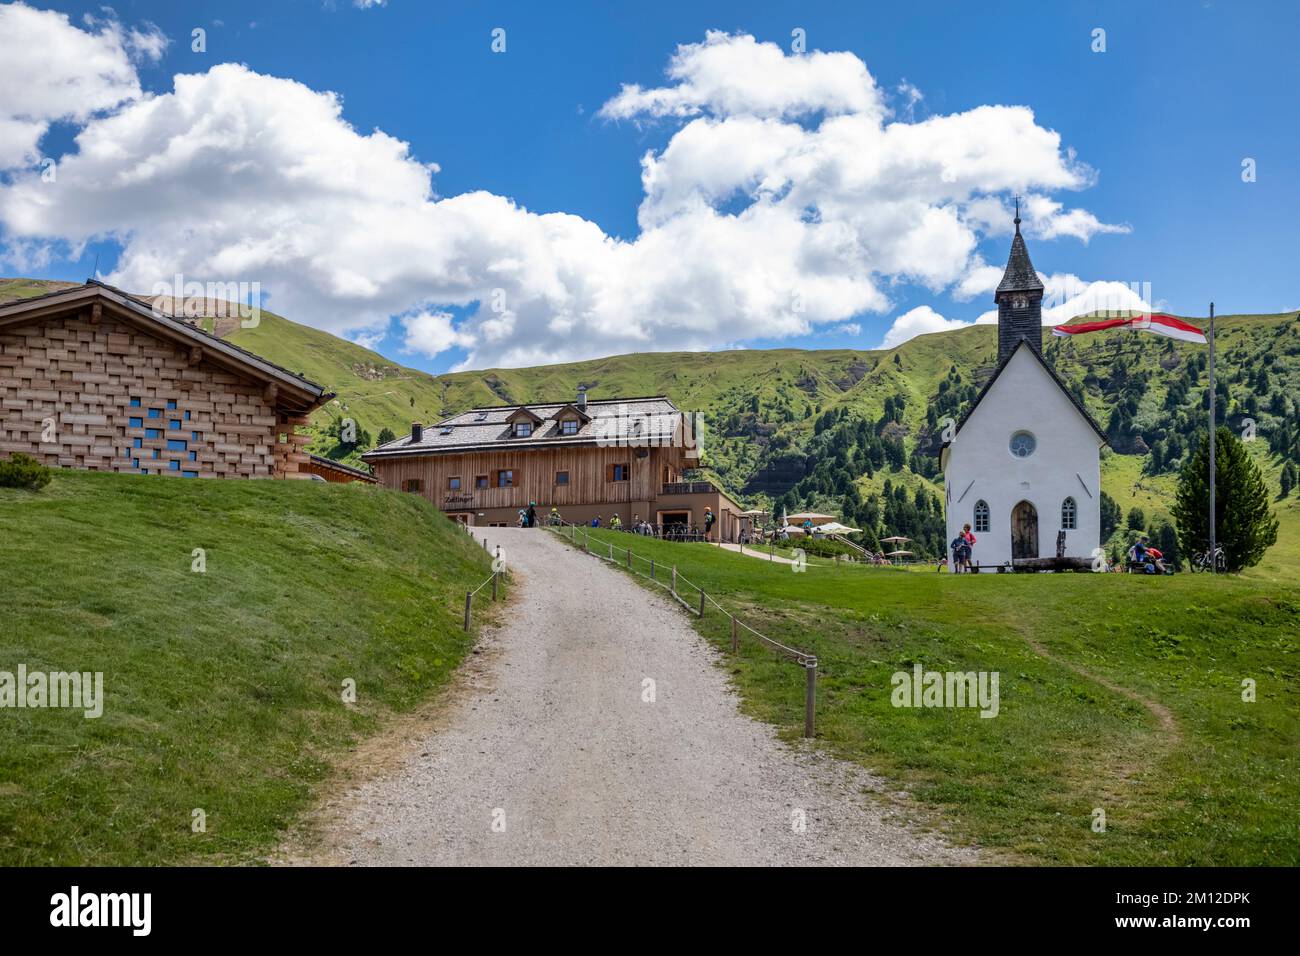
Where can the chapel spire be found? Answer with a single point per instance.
(1019, 297)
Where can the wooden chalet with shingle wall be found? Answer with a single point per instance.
(95, 379)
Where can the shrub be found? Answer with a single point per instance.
(821, 547)
(23, 471)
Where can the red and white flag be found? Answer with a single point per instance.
(1158, 322)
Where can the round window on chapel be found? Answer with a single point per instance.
(1023, 444)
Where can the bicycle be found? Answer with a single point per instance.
(1201, 561)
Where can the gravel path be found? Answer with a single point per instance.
(546, 752)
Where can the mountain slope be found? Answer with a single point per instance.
(828, 428)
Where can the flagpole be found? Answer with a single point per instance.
(1214, 564)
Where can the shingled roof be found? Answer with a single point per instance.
(651, 420)
(299, 391)
(1020, 275)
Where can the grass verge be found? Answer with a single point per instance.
(223, 689)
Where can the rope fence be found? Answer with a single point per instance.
(493, 579)
(674, 581)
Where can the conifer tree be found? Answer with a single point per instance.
(1245, 526)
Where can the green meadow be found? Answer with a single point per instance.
(223, 688)
(1119, 693)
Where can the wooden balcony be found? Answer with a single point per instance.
(689, 488)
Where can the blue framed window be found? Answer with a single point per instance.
(135, 463)
(137, 423)
(126, 453)
(189, 474)
(136, 442)
(153, 433)
(187, 416)
(171, 403)
(155, 413)
(135, 403)
(154, 453)
(174, 424)
(194, 456)
(174, 465)
(177, 444)
(194, 436)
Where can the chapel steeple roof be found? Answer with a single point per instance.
(1020, 275)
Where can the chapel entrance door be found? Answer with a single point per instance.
(1024, 531)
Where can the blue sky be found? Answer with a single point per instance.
(1163, 118)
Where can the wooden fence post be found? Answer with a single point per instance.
(494, 584)
(810, 704)
(701, 602)
(469, 601)
(629, 559)
(674, 580)
(652, 569)
(735, 635)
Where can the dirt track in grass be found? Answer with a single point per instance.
(547, 751)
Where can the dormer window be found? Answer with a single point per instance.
(569, 426)
(523, 422)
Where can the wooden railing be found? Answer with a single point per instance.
(689, 488)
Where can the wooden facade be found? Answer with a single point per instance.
(563, 477)
(581, 481)
(86, 381)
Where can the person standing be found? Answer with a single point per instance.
(532, 514)
(969, 537)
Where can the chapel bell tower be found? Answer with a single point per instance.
(1020, 300)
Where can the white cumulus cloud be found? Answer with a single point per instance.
(51, 70)
(919, 321)
(1066, 296)
(787, 200)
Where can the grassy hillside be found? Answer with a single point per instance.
(1119, 692)
(223, 688)
(762, 408)
(826, 429)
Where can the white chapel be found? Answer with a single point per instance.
(1023, 466)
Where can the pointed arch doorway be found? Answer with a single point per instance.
(1024, 531)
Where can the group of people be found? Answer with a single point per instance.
(1144, 559)
(962, 546)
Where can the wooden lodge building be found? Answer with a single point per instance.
(93, 378)
(623, 456)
